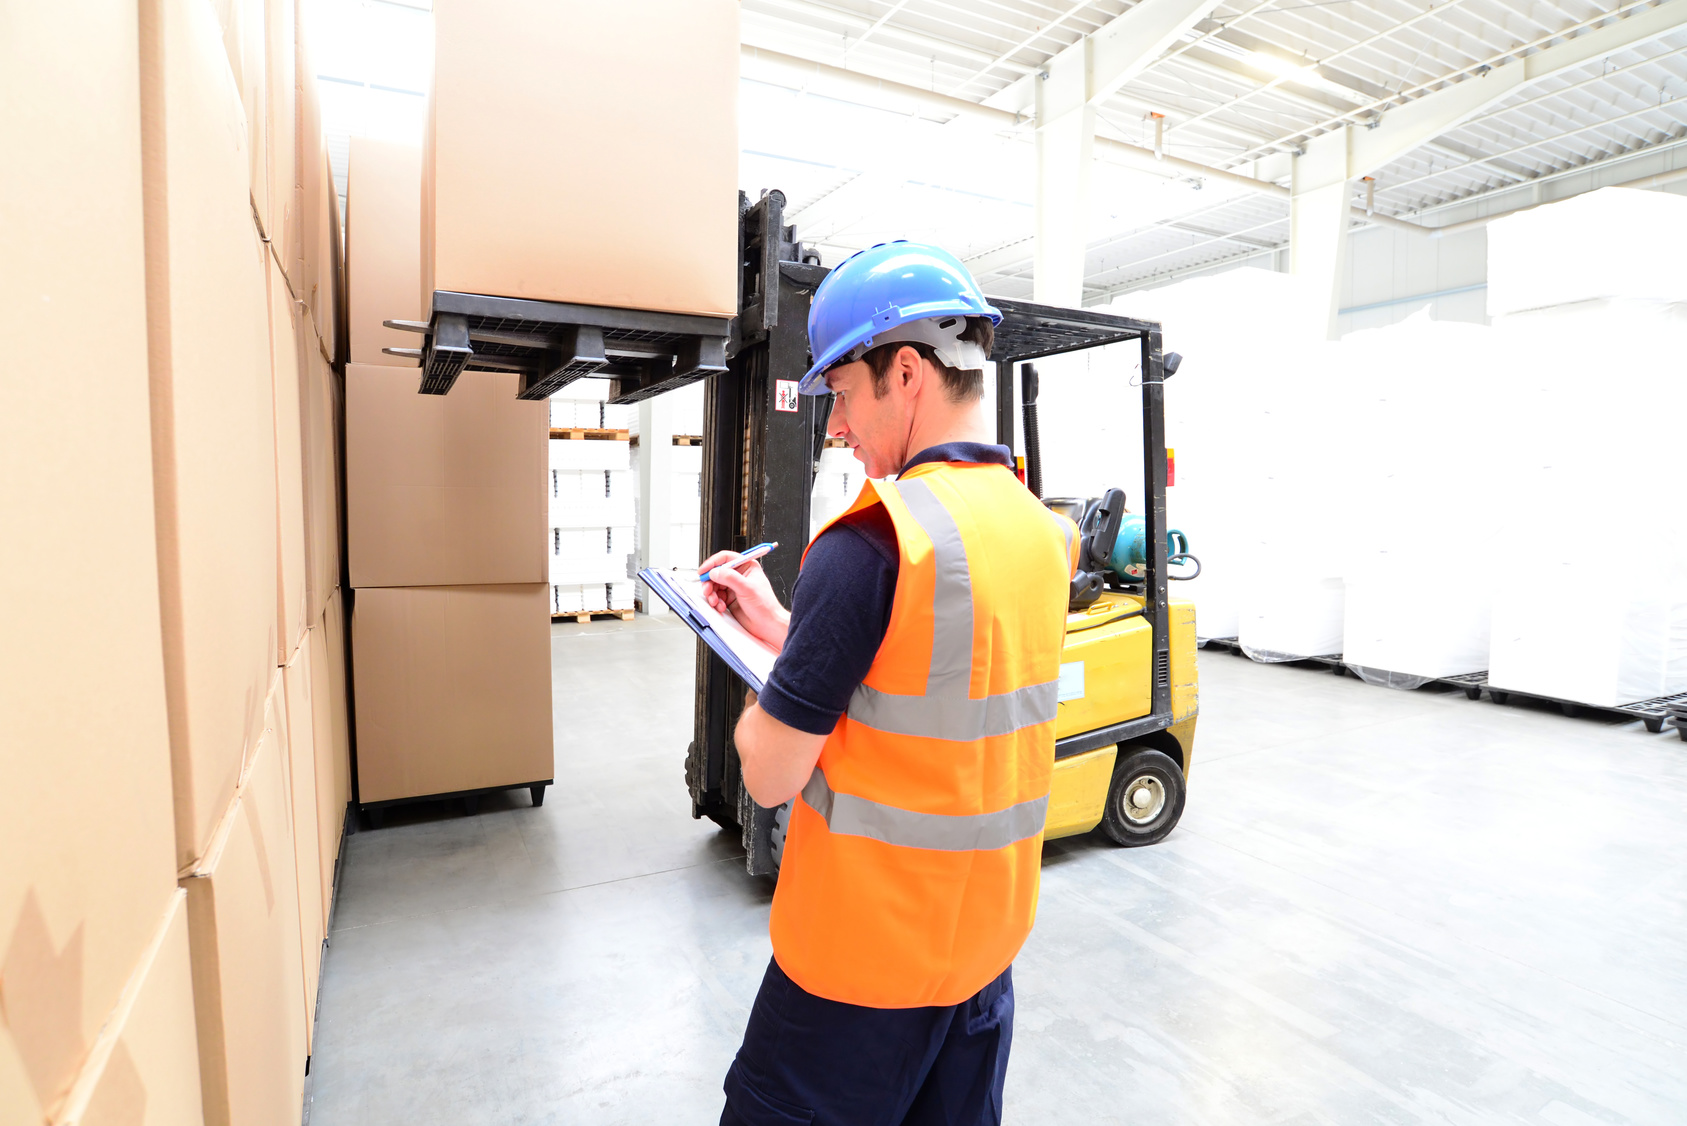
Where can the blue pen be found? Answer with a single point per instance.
(754, 553)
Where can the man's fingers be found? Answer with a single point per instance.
(716, 560)
(731, 580)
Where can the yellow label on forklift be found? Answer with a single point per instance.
(1071, 681)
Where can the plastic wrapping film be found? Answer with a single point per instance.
(1423, 433)
(1591, 547)
(1615, 242)
(1229, 408)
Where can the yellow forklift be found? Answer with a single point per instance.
(1126, 723)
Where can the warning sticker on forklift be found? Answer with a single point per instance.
(1071, 685)
(784, 394)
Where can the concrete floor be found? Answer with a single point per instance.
(1396, 907)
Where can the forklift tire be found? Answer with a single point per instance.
(776, 834)
(1145, 798)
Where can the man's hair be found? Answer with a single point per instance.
(958, 386)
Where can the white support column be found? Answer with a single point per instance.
(1065, 150)
(1319, 212)
(655, 492)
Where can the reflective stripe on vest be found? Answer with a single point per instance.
(859, 817)
(947, 710)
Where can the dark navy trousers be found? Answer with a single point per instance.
(806, 1059)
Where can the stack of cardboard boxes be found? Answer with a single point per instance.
(173, 699)
(446, 516)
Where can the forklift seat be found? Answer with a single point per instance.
(1098, 530)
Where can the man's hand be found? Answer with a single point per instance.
(747, 596)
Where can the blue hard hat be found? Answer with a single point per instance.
(879, 289)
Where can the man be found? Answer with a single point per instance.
(909, 720)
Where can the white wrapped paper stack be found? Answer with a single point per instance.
(1258, 480)
(592, 498)
(836, 486)
(1589, 297)
(1424, 426)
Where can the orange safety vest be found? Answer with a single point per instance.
(912, 856)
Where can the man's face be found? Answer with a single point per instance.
(875, 428)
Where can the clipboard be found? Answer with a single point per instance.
(751, 658)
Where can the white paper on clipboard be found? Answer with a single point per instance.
(682, 589)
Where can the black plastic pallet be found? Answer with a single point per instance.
(1653, 713)
(551, 344)
(376, 811)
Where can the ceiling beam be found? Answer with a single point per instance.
(1096, 66)
(1280, 80)
(1393, 132)
(1020, 46)
(878, 23)
(807, 15)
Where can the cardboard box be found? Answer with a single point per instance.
(383, 247)
(301, 229)
(243, 27)
(299, 736)
(321, 426)
(331, 743)
(87, 842)
(286, 387)
(278, 210)
(453, 688)
(322, 254)
(213, 432)
(443, 490)
(633, 204)
(248, 982)
(144, 1068)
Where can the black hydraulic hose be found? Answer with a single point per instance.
(1033, 441)
(1106, 621)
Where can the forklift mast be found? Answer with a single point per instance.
(762, 444)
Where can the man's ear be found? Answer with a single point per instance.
(911, 365)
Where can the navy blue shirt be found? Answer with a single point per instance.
(840, 607)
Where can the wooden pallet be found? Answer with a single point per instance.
(582, 618)
(579, 433)
(688, 439)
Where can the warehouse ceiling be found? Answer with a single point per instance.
(1243, 88)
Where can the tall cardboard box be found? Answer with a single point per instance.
(299, 736)
(383, 247)
(453, 689)
(323, 411)
(87, 842)
(331, 743)
(144, 1068)
(248, 979)
(244, 25)
(287, 384)
(634, 204)
(213, 416)
(278, 207)
(443, 490)
(307, 164)
(322, 255)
